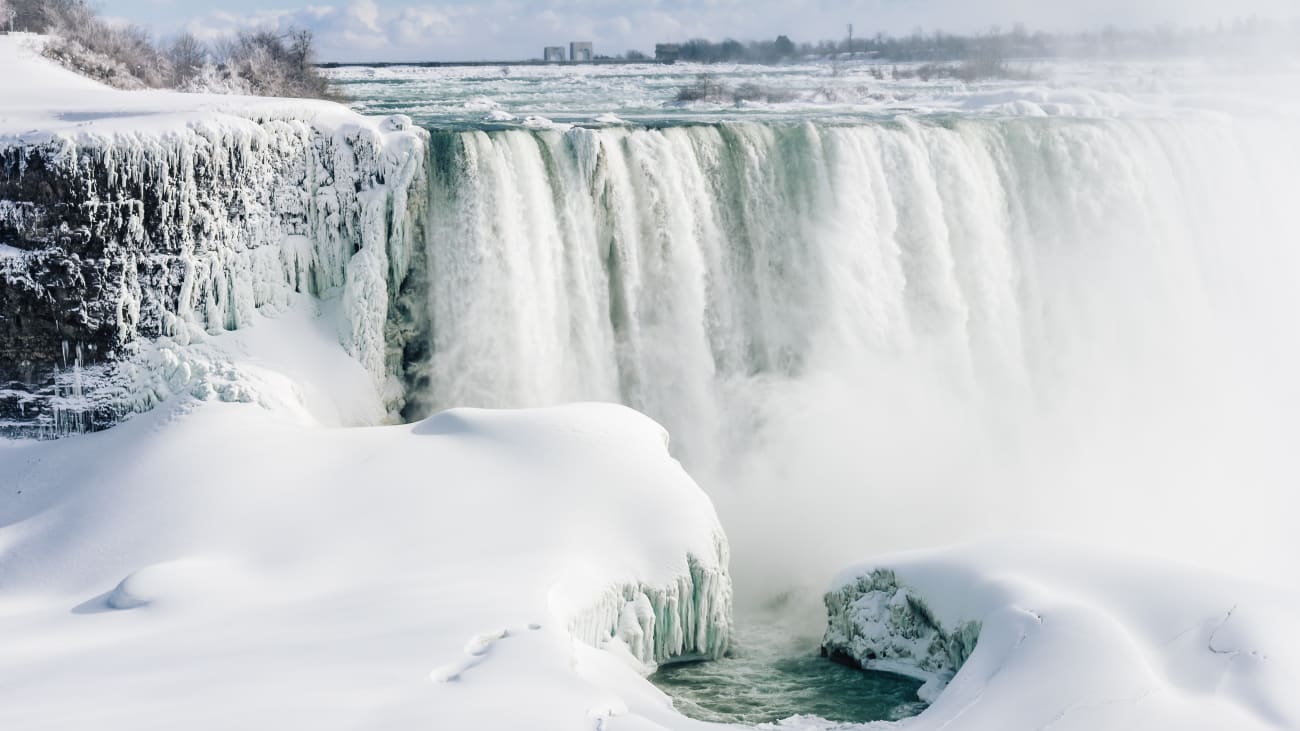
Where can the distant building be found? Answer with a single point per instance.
(553, 53)
(667, 52)
(580, 51)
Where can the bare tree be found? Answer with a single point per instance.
(187, 56)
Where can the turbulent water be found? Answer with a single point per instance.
(769, 676)
(979, 319)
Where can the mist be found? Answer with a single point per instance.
(872, 339)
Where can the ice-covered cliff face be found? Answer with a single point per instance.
(115, 243)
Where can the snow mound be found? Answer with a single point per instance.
(1072, 639)
(172, 582)
(373, 577)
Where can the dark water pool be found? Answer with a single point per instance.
(769, 675)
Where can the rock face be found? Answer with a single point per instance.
(877, 623)
(108, 242)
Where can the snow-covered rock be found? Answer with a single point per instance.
(877, 623)
(1072, 638)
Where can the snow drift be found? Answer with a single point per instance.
(223, 568)
(1077, 638)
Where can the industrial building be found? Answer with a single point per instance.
(553, 53)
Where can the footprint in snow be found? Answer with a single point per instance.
(476, 651)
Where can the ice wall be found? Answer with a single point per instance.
(114, 241)
(689, 618)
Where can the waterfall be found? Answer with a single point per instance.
(907, 310)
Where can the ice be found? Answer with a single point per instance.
(259, 201)
(878, 624)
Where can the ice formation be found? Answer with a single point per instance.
(877, 623)
(179, 234)
(689, 618)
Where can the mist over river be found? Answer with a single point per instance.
(880, 313)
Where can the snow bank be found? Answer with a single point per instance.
(218, 567)
(1071, 639)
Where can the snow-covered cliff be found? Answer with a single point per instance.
(134, 223)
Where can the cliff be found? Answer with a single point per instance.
(129, 217)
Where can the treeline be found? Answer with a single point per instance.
(129, 57)
(1243, 36)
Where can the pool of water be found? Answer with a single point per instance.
(770, 675)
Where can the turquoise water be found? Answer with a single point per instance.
(769, 676)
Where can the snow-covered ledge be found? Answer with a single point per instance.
(424, 576)
(137, 224)
(1071, 638)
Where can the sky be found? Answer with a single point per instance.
(408, 30)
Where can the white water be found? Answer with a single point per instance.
(883, 335)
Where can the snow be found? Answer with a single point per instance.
(218, 566)
(1082, 638)
(265, 199)
(44, 101)
(236, 559)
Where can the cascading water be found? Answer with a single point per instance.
(940, 317)
(907, 332)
